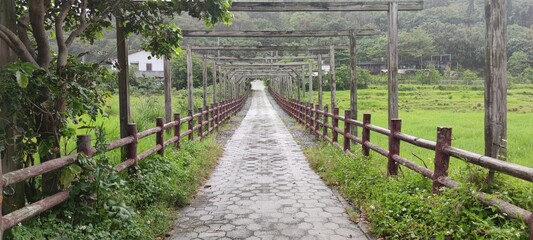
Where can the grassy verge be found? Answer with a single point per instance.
(424, 107)
(109, 205)
(403, 207)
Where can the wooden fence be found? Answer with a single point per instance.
(207, 120)
(318, 123)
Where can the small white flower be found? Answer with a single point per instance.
(372, 207)
(404, 209)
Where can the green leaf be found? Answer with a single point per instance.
(22, 79)
(69, 174)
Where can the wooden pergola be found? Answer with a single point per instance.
(495, 57)
(270, 48)
(351, 34)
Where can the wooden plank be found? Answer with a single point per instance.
(168, 89)
(265, 48)
(333, 78)
(393, 62)
(190, 81)
(322, 6)
(495, 81)
(283, 34)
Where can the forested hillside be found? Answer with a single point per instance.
(443, 27)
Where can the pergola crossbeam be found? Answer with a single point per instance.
(323, 6)
(266, 48)
(262, 34)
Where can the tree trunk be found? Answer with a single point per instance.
(12, 155)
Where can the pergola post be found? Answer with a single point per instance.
(333, 78)
(495, 81)
(393, 61)
(310, 72)
(214, 72)
(303, 83)
(353, 83)
(123, 79)
(168, 89)
(298, 80)
(319, 82)
(190, 81)
(224, 87)
(204, 81)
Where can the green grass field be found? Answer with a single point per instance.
(424, 107)
(144, 110)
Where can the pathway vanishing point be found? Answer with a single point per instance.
(263, 188)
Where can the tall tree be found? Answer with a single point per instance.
(8, 152)
(56, 78)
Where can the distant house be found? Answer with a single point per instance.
(145, 64)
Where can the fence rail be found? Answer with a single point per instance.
(310, 115)
(207, 120)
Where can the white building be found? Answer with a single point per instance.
(145, 64)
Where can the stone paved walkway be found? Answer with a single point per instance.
(263, 188)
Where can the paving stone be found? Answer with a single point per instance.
(263, 188)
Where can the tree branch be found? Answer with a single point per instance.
(22, 33)
(16, 44)
(62, 53)
(37, 19)
(84, 24)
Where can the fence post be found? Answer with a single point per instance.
(366, 134)
(191, 125)
(177, 129)
(308, 115)
(201, 122)
(131, 149)
(207, 119)
(394, 146)
(300, 112)
(324, 128)
(317, 125)
(217, 115)
(335, 124)
(83, 145)
(311, 119)
(159, 122)
(224, 103)
(212, 115)
(346, 145)
(530, 224)
(293, 109)
(442, 159)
